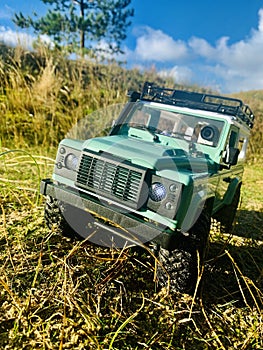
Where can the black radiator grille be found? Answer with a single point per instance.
(109, 177)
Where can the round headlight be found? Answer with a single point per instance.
(71, 161)
(157, 192)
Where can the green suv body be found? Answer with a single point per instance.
(172, 161)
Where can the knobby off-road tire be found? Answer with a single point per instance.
(178, 268)
(55, 220)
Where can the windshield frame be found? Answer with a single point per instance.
(188, 125)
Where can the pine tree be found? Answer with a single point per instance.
(80, 24)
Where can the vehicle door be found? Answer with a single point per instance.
(231, 171)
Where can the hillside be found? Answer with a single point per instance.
(255, 100)
(43, 95)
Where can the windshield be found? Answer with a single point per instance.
(157, 121)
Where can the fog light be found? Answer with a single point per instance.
(157, 192)
(173, 187)
(169, 206)
(62, 150)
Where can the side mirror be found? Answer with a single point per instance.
(231, 156)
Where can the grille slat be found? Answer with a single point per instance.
(114, 179)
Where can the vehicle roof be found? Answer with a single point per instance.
(219, 105)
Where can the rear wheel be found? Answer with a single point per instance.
(178, 268)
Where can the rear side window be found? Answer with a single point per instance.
(233, 138)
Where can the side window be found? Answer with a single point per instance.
(231, 153)
(233, 138)
(242, 146)
(238, 140)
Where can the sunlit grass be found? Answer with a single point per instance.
(20, 176)
(57, 293)
(61, 294)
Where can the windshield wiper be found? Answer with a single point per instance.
(151, 130)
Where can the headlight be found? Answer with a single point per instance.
(71, 161)
(157, 192)
(164, 196)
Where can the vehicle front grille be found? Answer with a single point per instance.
(111, 178)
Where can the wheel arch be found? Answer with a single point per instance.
(196, 207)
(234, 185)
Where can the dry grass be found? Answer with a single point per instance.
(42, 97)
(62, 294)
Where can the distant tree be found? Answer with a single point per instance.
(79, 24)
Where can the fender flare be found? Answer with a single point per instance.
(198, 203)
(231, 190)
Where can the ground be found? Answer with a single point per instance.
(56, 293)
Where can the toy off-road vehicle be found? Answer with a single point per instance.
(172, 160)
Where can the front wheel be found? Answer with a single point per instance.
(178, 268)
(67, 220)
(55, 219)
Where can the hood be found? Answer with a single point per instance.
(149, 154)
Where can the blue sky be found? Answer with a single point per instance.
(217, 44)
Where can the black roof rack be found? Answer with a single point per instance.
(214, 103)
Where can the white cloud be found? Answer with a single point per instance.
(237, 66)
(240, 64)
(224, 65)
(154, 45)
(242, 54)
(14, 38)
(180, 74)
(260, 24)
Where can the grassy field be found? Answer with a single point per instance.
(57, 293)
(62, 294)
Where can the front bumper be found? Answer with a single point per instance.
(125, 226)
